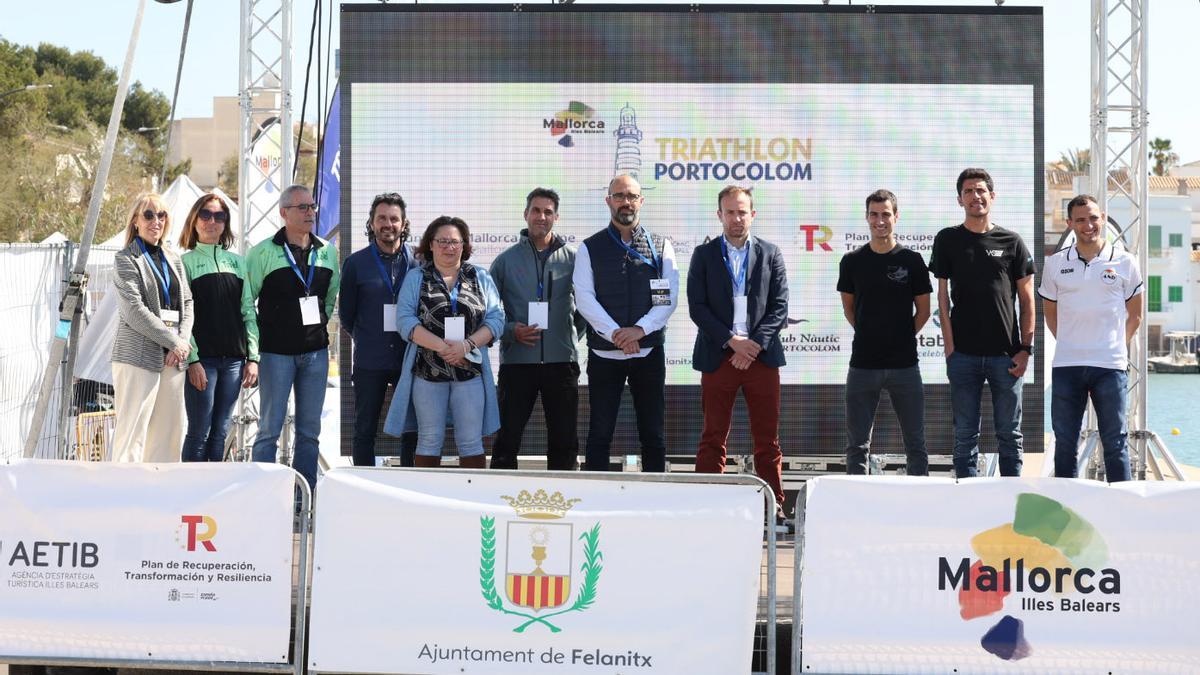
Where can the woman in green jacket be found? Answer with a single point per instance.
(224, 353)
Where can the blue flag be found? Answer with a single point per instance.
(329, 174)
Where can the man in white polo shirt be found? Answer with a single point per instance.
(1093, 294)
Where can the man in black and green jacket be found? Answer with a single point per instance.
(294, 277)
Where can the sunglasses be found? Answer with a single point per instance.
(150, 215)
(219, 216)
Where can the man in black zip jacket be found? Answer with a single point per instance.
(537, 349)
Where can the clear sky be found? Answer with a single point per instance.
(211, 67)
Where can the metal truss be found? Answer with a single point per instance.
(1119, 168)
(264, 92)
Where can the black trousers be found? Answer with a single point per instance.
(647, 383)
(370, 389)
(518, 386)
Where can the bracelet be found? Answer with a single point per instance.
(471, 344)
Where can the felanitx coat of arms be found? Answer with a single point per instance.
(539, 561)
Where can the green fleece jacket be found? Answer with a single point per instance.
(226, 323)
(278, 290)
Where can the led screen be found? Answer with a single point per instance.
(463, 110)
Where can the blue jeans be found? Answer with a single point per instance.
(464, 400)
(208, 411)
(278, 375)
(907, 393)
(967, 374)
(1071, 386)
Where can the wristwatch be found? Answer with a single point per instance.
(1023, 348)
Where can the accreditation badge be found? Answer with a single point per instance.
(456, 329)
(660, 292)
(310, 311)
(389, 319)
(170, 317)
(539, 315)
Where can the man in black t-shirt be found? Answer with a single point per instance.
(881, 283)
(981, 269)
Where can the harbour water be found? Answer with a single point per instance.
(1172, 404)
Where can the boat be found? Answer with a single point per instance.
(1182, 355)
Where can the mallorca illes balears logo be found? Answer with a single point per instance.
(578, 118)
(538, 560)
(1047, 548)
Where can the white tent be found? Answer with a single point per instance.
(263, 231)
(55, 238)
(180, 196)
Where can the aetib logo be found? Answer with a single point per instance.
(197, 530)
(59, 554)
(816, 237)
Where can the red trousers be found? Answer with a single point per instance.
(760, 387)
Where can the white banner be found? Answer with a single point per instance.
(182, 562)
(907, 575)
(427, 572)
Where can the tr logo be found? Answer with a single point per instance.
(196, 536)
(816, 236)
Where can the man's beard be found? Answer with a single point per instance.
(398, 236)
(626, 217)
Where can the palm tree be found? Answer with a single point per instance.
(1074, 161)
(1164, 159)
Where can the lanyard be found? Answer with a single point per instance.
(452, 291)
(388, 280)
(539, 263)
(739, 280)
(164, 275)
(312, 258)
(649, 242)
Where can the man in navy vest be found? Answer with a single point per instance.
(626, 287)
(738, 298)
(371, 281)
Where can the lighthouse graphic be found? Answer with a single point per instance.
(629, 155)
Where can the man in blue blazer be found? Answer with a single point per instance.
(738, 298)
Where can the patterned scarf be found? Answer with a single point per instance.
(640, 242)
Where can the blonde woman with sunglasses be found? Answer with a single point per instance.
(153, 340)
